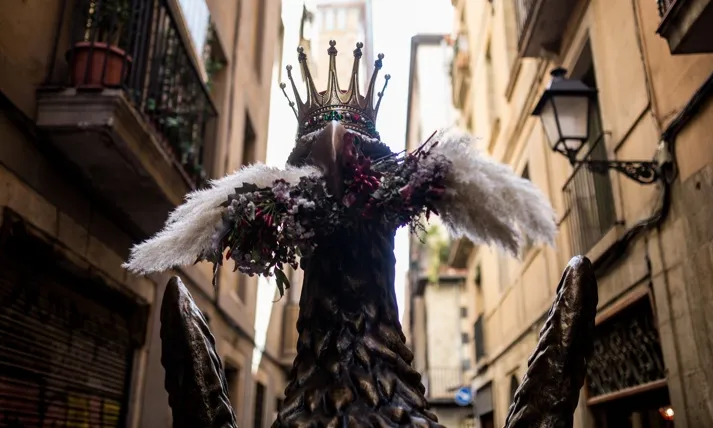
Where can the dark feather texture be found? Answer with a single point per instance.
(195, 380)
(549, 392)
(352, 367)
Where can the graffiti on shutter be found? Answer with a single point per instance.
(63, 357)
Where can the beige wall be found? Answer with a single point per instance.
(442, 303)
(48, 199)
(641, 88)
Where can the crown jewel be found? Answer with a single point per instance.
(354, 110)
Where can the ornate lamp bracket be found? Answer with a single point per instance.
(644, 172)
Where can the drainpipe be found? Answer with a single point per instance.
(667, 163)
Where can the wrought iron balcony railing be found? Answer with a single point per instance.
(139, 47)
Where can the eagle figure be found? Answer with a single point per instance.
(333, 211)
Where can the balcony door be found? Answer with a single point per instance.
(589, 195)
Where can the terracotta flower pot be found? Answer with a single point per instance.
(88, 65)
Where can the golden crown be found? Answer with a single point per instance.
(350, 107)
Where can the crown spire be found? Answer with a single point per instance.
(332, 93)
(313, 97)
(380, 95)
(353, 90)
(370, 93)
(350, 107)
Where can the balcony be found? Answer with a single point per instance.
(686, 25)
(442, 383)
(127, 103)
(541, 24)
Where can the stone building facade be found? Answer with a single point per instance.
(651, 63)
(111, 111)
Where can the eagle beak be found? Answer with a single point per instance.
(326, 154)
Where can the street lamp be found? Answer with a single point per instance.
(564, 109)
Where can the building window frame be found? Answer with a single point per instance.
(259, 408)
(589, 197)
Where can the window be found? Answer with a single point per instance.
(341, 19)
(249, 142)
(527, 243)
(328, 19)
(589, 195)
(217, 78)
(259, 404)
(278, 53)
(463, 312)
(241, 287)
(259, 37)
(278, 407)
(464, 338)
(492, 90)
(478, 276)
(232, 375)
(514, 384)
(520, 15)
(465, 364)
(197, 17)
(469, 124)
(479, 338)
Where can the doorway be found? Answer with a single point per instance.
(487, 420)
(650, 409)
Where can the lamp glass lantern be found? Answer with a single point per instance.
(564, 110)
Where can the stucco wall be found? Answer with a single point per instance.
(641, 89)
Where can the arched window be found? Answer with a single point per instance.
(514, 383)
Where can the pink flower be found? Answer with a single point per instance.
(406, 192)
(349, 199)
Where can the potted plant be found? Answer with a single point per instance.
(99, 60)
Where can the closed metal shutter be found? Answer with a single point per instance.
(64, 358)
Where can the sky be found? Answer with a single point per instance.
(394, 23)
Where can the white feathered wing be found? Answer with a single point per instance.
(190, 227)
(486, 201)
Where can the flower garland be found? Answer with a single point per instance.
(264, 229)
